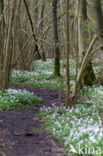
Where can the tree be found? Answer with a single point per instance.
(2, 36)
(41, 27)
(99, 26)
(56, 39)
(98, 17)
(8, 52)
(36, 50)
(67, 35)
(83, 39)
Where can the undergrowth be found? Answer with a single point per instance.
(78, 128)
(17, 99)
(42, 76)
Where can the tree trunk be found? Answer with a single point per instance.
(32, 27)
(41, 28)
(88, 76)
(8, 52)
(2, 34)
(56, 39)
(67, 35)
(98, 17)
(99, 26)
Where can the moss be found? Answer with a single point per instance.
(57, 67)
(89, 76)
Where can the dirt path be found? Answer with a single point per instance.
(21, 131)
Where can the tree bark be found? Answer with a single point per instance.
(99, 26)
(67, 35)
(32, 27)
(98, 17)
(88, 77)
(41, 28)
(56, 39)
(8, 52)
(2, 34)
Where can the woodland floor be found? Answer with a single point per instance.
(21, 132)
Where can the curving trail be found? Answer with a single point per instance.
(21, 131)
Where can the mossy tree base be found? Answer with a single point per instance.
(57, 66)
(89, 76)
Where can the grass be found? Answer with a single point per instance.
(36, 80)
(80, 127)
(42, 77)
(17, 99)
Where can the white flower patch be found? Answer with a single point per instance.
(22, 72)
(19, 91)
(13, 98)
(80, 126)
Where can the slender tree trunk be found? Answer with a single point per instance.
(8, 51)
(99, 17)
(32, 27)
(15, 31)
(41, 28)
(88, 76)
(67, 35)
(84, 64)
(99, 26)
(2, 34)
(56, 39)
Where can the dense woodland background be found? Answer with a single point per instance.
(54, 49)
(33, 30)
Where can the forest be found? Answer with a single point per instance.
(51, 78)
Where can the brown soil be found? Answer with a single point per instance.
(21, 132)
